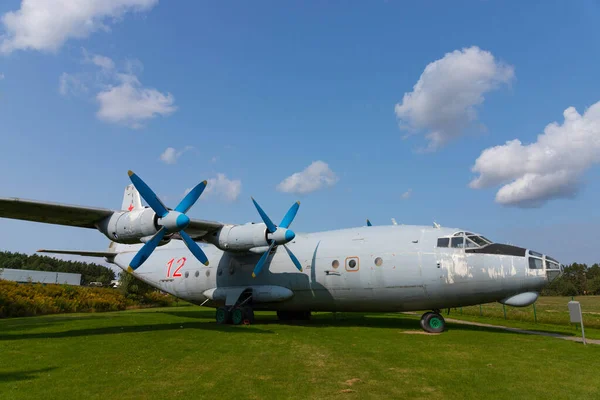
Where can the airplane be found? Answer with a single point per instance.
(241, 268)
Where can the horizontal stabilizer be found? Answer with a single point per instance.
(108, 254)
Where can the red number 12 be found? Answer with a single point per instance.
(180, 264)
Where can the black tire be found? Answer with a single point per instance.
(422, 322)
(223, 316)
(248, 315)
(433, 323)
(237, 316)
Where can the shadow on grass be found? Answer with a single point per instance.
(22, 375)
(206, 326)
(367, 320)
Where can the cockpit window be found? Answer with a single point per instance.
(457, 242)
(443, 242)
(479, 241)
(551, 264)
(535, 263)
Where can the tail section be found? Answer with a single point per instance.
(131, 199)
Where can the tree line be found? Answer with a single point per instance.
(90, 272)
(576, 280)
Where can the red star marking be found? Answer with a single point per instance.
(130, 207)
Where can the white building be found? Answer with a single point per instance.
(23, 275)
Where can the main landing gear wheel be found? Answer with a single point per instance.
(237, 315)
(433, 322)
(248, 315)
(223, 315)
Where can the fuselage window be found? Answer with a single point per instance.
(457, 242)
(352, 264)
(535, 263)
(335, 264)
(187, 274)
(378, 261)
(197, 274)
(443, 242)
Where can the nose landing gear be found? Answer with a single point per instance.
(433, 322)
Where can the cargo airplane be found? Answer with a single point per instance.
(262, 266)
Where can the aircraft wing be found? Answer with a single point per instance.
(80, 216)
(198, 228)
(52, 213)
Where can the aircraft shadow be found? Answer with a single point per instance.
(23, 375)
(206, 326)
(380, 321)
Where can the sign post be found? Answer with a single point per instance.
(576, 317)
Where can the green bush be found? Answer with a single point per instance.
(22, 300)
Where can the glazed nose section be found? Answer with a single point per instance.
(554, 269)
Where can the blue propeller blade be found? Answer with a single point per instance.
(270, 225)
(148, 195)
(146, 250)
(261, 262)
(189, 200)
(290, 215)
(294, 259)
(194, 248)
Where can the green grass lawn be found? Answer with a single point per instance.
(180, 352)
(552, 315)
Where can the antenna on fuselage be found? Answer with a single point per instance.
(436, 225)
(394, 221)
(369, 222)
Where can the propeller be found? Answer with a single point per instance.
(170, 221)
(278, 235)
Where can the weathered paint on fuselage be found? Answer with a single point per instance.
(414, 274)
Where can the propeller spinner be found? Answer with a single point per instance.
(277, 235)
(171, 221)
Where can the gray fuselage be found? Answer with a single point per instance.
(379, 269)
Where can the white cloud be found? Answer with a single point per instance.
(128, 102)
(103, 62)
(407, 194)
(314, 177)
(171, 155)
(550, 168)
(222, 187)
(443, 101)
(70, 85)
(45, 25)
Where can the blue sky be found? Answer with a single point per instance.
(255, 92)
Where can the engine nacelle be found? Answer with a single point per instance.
(240, 237)
(130, 227)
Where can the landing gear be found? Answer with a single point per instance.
(242, 315)
(223, 315)
(433, 322)
(293, 315)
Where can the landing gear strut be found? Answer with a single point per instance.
(433, 322)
